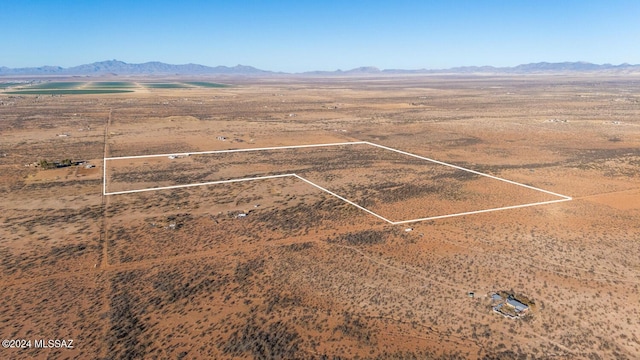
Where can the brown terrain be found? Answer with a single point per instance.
(279, 269)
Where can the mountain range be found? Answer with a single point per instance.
(115, 67)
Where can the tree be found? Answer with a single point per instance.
(46, 164)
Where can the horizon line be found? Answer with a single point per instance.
(371, 68)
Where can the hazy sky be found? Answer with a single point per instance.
(305, 35)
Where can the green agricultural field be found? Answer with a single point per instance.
(9, 84)
(68, 92)
(98, 87)
(166, 85)
(112, 84)
(207, 84)
(56, 85)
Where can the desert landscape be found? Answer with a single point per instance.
(126, 230)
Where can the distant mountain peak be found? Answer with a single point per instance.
(365, 69)
(122, 68)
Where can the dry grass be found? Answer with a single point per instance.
(176, 274)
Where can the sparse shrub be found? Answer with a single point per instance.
(365, 237)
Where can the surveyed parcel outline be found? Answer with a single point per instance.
(562, 198)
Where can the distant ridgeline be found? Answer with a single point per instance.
(155, 68)
(115, 67)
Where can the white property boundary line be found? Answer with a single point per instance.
(200, 184)
(239, 150)
(105, 193)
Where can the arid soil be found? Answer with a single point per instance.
(278, 268)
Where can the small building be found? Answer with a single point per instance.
(520, 307)
(508, 305)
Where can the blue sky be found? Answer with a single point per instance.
(306, 35)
